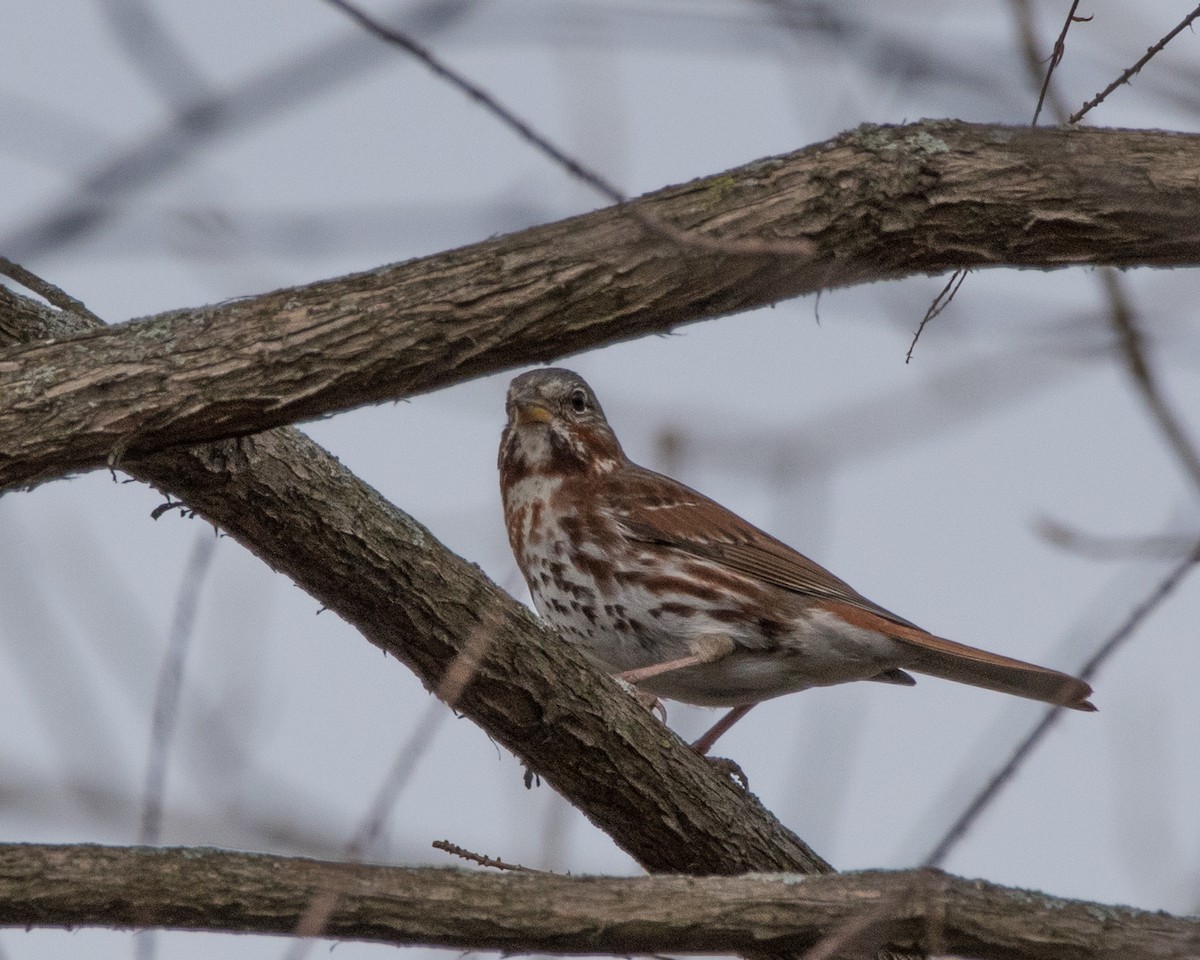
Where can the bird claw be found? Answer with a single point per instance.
(649, 701)
(731, 769)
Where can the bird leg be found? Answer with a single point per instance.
(648, 701)
(705, 649)
(704, 744)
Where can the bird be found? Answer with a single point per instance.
(682, 597)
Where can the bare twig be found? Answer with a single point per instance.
(1026, 31)
(686, 238)
(940, 303)
(45, 289)
(1060, 48)
(1128, 73)
(151, 49)
(170, 684)
(166, 704)
(1099, 547)
(454, 680)
(1140, 371)
(958, 829)
(244, 105)
(484, 99)
(484, 861)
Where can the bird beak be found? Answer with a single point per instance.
(531, 411)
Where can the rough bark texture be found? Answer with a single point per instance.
(876, 203)
(196, 889)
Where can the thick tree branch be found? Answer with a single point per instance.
(291, 503)
(872, 204)
(195, 889)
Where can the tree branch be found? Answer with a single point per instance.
(873, 204)
(528, 912)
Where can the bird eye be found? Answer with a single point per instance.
(579, 400)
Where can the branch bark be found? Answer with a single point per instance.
(876, 203)
(198, 889)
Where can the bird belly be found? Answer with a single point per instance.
(627, 609)
(820, 650)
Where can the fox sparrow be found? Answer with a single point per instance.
(688, 600)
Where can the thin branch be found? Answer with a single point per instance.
(450, 688)
(572, 165)
(471, 857)
(1060, 48)
(46, 290)
(1100, 547)
(940, 303)
(964, 822)
(1023, 14)
(248, 104)
(534, 912)
(1121, 312)
(1129, 73)
(1138, 367)
(170, 684)
(493, 106)
(151, 49)
(166, 704)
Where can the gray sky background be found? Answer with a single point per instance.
(923, 484)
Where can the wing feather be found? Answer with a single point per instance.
(690, 522)
(662, 511)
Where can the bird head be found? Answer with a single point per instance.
(555, 423)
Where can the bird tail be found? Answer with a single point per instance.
(939, 657)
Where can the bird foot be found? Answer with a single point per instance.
(731, 769)
(649, 701)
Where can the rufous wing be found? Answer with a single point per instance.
(690, 522)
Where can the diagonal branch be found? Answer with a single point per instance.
(1137, 364)
(531, 912)
(876, 203)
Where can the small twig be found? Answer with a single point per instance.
(991, 789)
(1023, 13)
(1121, 311)
(170, 684)
(46, 290)
(1100, 547)
(483, 98)
(1060, 49)
(1138, 367)
(940, 303)
(1128, 74)
(453, 682)
(166, 704)
(684, 238)
(484, 861)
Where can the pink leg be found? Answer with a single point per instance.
(708, 647)
(645, 673)
(704, 744)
